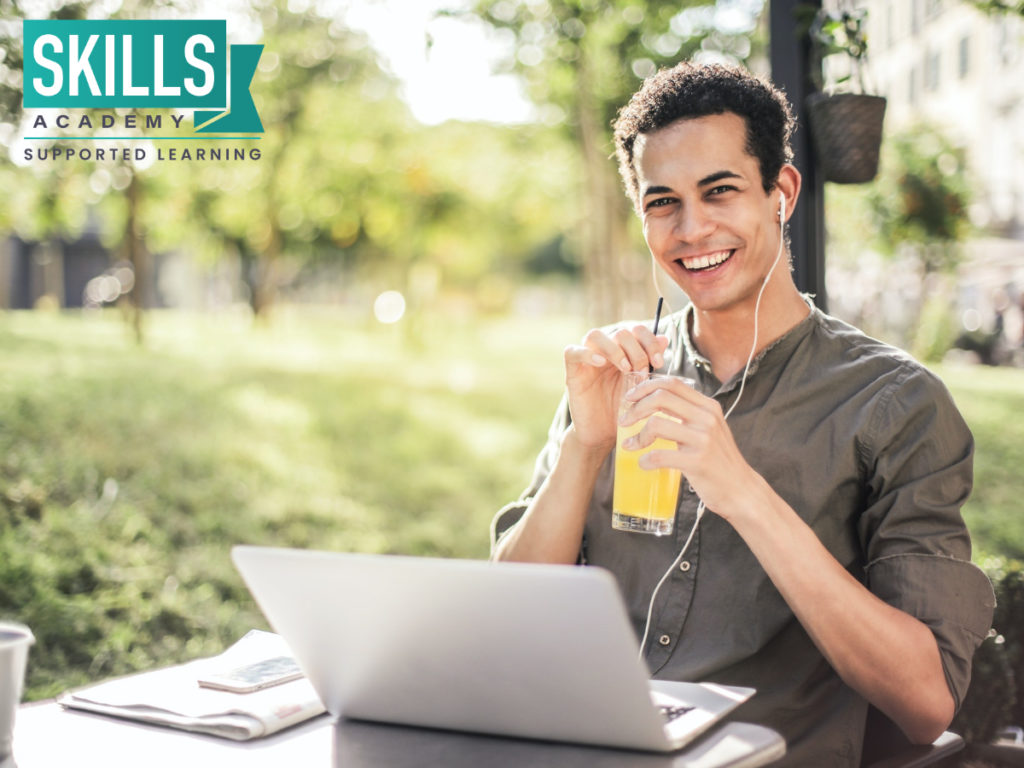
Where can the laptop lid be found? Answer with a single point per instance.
(541, 651)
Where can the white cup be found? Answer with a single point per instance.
(15, 640)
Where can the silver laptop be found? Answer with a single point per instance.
(536, 651)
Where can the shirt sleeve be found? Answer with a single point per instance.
(511, 513)
(918, 549)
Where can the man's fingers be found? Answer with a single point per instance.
(696, 411)
(578, 355)
(653, 346)
(628, 350)
(601, 346)
(678, 385)
(597, 350)
(666, 459)
(658, 427)
(634, 350)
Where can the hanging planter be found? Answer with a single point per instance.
(847, 132)
(846, 127)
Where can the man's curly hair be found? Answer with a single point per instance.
(689, 91)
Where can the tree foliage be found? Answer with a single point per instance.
(922, 197)
(55, 201)
(913, 213)
(612, 45)
(346, 177)
(582, 59)
(999, 6)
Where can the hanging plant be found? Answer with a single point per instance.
(845, 119)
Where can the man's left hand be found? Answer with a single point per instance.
(706, 452)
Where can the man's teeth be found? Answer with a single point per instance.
(707, 260)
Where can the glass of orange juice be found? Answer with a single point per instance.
(643, 500)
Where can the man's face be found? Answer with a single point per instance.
(706, 216)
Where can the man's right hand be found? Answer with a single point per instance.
(551, 528)
(594, 379)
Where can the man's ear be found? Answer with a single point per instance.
(788, 183)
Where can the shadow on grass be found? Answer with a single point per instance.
(126, 474)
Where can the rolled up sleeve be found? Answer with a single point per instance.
(953, 598)
(918, 549)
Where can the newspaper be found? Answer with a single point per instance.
(173, 697)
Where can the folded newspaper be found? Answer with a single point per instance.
(173, 697)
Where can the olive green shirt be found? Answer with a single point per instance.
(866, 445)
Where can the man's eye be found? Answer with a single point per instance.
(721, 189)
(660, 202)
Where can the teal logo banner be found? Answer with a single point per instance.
(181, 64)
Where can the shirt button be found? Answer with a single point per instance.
(664, 639)
(690, 488)
(684, 566)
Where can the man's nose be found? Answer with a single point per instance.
(693, 223)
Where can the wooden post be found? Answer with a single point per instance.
(789, 59)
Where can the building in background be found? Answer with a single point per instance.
(946, 63)
(53, 274)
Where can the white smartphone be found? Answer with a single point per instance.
(254, 677)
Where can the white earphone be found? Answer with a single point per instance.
(743, 381)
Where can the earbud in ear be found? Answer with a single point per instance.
(782, 210)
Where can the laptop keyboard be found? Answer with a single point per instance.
(670, 712)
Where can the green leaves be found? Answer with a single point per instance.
(922, 195)
(999, 6)
(840, 33)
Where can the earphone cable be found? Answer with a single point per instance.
(746, 369)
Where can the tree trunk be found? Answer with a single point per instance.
(616, 278)
(135, 253)
(600, 288)
(264, 283)
(263, 287)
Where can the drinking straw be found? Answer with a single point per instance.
(657, 319)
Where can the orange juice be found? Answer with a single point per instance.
(643, 500)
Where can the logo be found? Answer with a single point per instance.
(117, 64)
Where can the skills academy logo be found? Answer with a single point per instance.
(99, 67)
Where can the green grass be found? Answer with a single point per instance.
(127, 472)
(992, 402)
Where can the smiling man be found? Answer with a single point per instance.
(834, 567)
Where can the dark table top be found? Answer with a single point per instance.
(46, 735)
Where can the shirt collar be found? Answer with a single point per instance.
(769, 357)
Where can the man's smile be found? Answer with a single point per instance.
(705, 261)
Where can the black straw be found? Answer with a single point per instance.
(657, 319)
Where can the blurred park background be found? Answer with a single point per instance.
(354, 342)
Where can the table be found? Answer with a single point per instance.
(46, 735)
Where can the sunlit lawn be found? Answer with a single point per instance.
(992, 402)
(127, 473)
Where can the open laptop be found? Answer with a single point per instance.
(536, 651)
